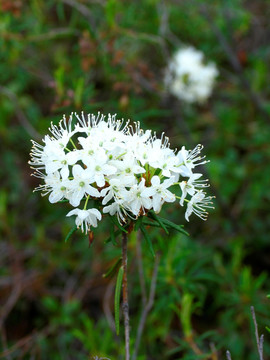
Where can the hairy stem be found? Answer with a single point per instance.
(125, 295)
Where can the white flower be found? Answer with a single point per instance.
(190, 186)
(189, 159)
(100, 167)
(120, 166)
(188, 78)
(80, 185)
(86, 218)
(128, 165)
(63, 132)
(90, 150)
(159, 151)
(57, 188)
(137, 137)
(159, 193)
(197, 205)
(60, 161)
(117, 188)
(138, 199)
(169, 165)
(117, 208)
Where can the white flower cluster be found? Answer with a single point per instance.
(124, 170)
(188, 78)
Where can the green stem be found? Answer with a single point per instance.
(86, 202)
(179, 197)
(119, 156)
(73, 144)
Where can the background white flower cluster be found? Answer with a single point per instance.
(125, 170)
(187, 76)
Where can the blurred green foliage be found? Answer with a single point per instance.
(96, 55)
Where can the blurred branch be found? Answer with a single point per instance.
(12, 299)
(81, 9)
(214, 353)
(99, 2)
(254, 97)
(71, 284)
(4, 342)
(140, 267)
(194, 347)
(24, 341)
(19, 113)
(147, 308)
(106, 304)
(164, 18)
(144, 83)
(164, 28)
(50, 35)
(139, 35)
(259, 340)
(83, 289)
(54, 33)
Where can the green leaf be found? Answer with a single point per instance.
(117, 298)
(113, 219)
(111, 10)
(186, 312)
(159, 220)
(113, 237)
(78, 91)
(112, 234)
(174, 226)
(138, 223)
(148, 240)
(150, 223)
(113, 269)
(72, 231)
(59, 76)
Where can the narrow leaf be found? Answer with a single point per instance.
(148, 240)
(113, 238)
(72, 231)
(112, 234)
(138, 223)
(159, 220)
(118, 287)
(153, 223)
(113, 219)
(174, 226)
(113, 269)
